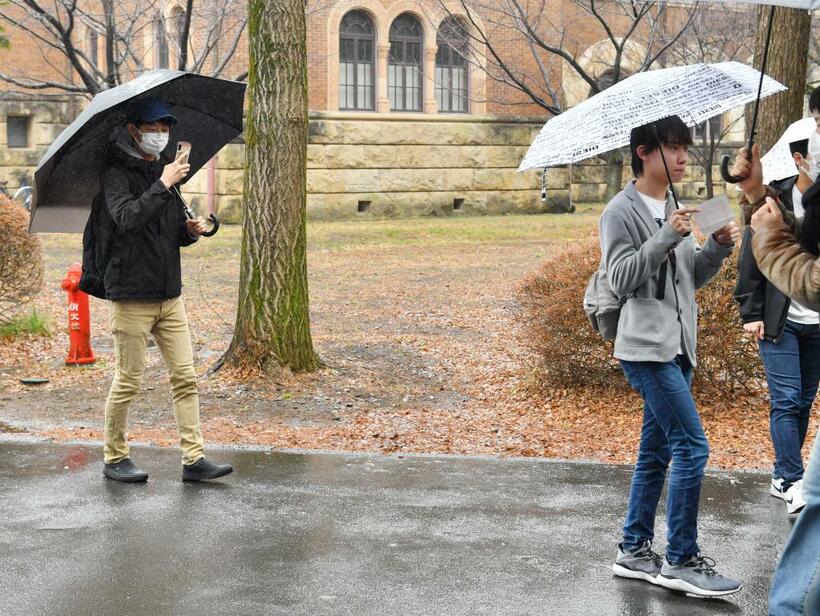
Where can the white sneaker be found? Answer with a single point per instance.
(791, 494)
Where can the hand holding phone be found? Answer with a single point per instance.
(183, 151)
(174, 172)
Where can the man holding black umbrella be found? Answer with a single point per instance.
(131, 250)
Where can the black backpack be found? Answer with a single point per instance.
(98, 237)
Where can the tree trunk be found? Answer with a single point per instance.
(614, 173)
(110, 36)
(273, 321)
(709, 165)
(787, 62)
(183, 39)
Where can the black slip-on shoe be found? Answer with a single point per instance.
(203, 469)
(124, 470)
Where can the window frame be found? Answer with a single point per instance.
(705, 130)
(161, 48)
(28, 119)
(356, 39)
(404, 41)
(93, 41)
(442, 44)
(177, 18)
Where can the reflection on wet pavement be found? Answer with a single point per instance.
(295, 533)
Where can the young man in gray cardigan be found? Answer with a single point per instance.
(654, 262)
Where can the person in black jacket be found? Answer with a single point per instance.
(142, 278)
(788, 333)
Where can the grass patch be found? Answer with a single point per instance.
(343, 235)
(33, 324)
(348, 235)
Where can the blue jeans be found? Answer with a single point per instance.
(792, 372)
(796, 582)
(671, 431)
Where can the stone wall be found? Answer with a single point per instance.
(49, 116)
(414, 165)
(373, 165)
(403, 165)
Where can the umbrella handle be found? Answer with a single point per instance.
(724, 165)
(189, 213)
(724, 171)
(213, 229)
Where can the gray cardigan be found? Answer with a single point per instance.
(633, 248)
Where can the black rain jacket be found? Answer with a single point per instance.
(133, 235)
(757, 298)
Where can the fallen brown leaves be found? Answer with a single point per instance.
(575, 425)
(422, 353)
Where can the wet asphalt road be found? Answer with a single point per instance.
(315, 534)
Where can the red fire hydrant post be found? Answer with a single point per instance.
(79, 319)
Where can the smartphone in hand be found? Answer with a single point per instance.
(183, 150)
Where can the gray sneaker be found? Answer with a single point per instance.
(642, 564)
(697, 576)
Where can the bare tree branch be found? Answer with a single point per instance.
(558, 51)
(111, 68)
(41, 85)
(650, 60)
(232, 50)
(549, 106)
(528, 23)
(183, 37)
(53, 28)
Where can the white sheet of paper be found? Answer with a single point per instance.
(714, 214)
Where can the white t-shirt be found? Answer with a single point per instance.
(797, 200)
(657, 208)
(797, 312)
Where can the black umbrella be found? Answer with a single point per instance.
(209, 114)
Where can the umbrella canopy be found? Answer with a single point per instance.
(603, 122)
(778, 162)
(209, 114)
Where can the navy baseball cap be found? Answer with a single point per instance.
(151, 110)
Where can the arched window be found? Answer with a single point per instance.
(452, 75)
(160, 43)
(357, 42)
(404, 65)
(178, 24)
(93, 47)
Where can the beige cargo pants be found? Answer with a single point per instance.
(131, 322)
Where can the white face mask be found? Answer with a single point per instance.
(154, 143)
(814, 152)
(811, 168)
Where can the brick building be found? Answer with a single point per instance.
(405, 118)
